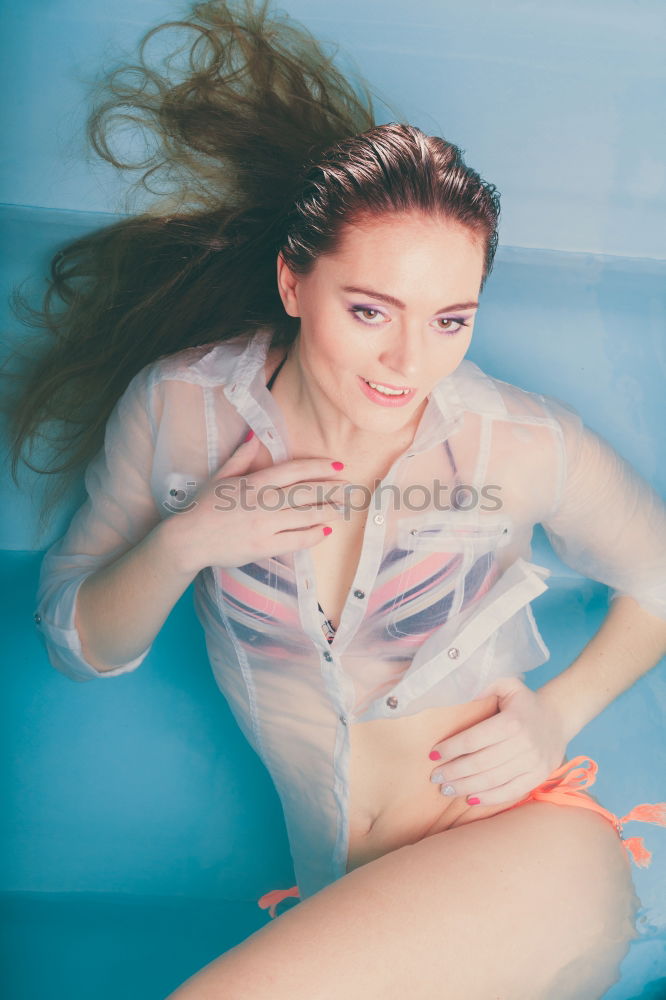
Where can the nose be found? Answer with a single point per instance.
(402, 358)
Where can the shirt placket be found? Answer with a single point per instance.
(340, 684)
(258, 412)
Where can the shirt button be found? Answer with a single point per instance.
(344, 720)
(453, 652)
(392, 702)
(359, 594)
(327, 656)
(378, 519)
(37, 618)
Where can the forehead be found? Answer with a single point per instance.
(405, 248)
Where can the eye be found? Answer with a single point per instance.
(459, 324)
(365, 309)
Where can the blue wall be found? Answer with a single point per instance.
(559, 104)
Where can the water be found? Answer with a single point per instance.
(144, 792)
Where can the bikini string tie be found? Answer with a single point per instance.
(562, 787)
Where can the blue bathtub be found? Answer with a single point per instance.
(139, 827)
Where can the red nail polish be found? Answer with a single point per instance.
(474, 801)
(248, 436)
(435, 755)
(327, 530)
(338, 465)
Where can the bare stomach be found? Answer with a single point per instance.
(392, 801)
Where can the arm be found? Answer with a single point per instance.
(630, 642)
(609, 524)
(107, 585)
(139, 590)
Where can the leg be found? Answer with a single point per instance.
(536, 903)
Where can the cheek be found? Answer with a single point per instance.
(321, 344)
(451, 354)
(336, 351)
(330, 358)
(461, 346)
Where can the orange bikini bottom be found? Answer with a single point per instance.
(564, 789)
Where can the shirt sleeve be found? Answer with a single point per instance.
(607, 522)
(117, 514)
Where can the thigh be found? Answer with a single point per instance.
(560, 903)
(536, 903)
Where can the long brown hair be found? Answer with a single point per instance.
(259, 146)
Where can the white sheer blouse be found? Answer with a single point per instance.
(440, 602)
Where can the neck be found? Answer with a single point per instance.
(323, 429)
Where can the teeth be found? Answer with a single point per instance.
(387, 392)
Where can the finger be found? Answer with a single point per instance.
(239, 461)
(297, 470)
(299, 518)
(490, 731)
(501, 687)
(481, 762)
(313, 509)
(303, 520)
(491, 784)
(306, 512)
(301, 496)
(326, 496)
(507, 793)
(290, 541)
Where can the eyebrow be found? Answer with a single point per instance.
(401, 305)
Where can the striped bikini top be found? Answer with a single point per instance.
(430, 613)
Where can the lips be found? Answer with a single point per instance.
(390, 399)
(385, 385)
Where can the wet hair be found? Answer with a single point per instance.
(254, 144)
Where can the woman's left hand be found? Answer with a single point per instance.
(501, 759)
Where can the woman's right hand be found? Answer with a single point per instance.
(230, 523)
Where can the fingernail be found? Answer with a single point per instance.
(474, 801)
(249, 435)
(337, 465)
(437, 779)
(327, 530)
(447, 790)
(435, 755)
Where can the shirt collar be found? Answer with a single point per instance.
(466, 388)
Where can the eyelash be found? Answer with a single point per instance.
(361, 309)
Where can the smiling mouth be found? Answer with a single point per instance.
(390, 390)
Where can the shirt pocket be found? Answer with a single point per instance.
(444, 563)
(497, 638)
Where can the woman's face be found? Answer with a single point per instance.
(431, 269)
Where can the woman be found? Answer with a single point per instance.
(278, 368)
